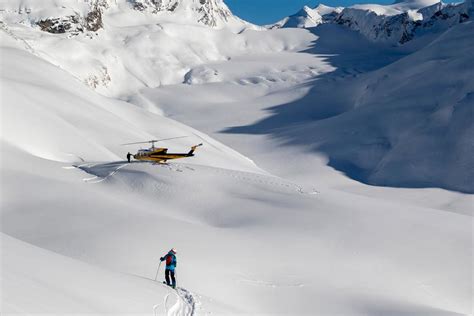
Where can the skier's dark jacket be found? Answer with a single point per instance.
(170, 261)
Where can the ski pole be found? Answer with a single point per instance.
(157, 271)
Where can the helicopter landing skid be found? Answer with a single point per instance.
(159, 163)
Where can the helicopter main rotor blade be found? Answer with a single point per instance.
(135, 143)
(154, 141)
(160, 140)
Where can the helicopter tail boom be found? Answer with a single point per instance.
(191, 152)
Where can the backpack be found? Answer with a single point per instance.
(169, 260)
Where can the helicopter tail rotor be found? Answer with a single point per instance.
(193, 149)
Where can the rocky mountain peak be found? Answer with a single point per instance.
(212, 13)
(79, 16)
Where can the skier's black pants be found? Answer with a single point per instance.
(170, 273)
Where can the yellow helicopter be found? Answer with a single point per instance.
(160, 155)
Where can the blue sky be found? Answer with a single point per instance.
(269, 11)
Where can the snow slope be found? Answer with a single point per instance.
(82, 124)
(36, 281)
(285, 233)
(131, 49)
(125, 219)
(383, 119)
(380, 118)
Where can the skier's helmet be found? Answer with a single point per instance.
(173, 250)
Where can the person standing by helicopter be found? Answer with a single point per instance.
(170, 259)
(129, 157)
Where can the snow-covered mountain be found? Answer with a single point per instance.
(335, 176)
(308, 17)
(396, 23)
(213, 13)
(87, 15)
(99, 42)
(401, 22)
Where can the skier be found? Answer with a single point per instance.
(170, 258)
(129, 156)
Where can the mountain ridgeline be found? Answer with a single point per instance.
(87, 15)
(395, 24)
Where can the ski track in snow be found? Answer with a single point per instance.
(110, 169)
(104, 171)
(185, 304)
(190, 303)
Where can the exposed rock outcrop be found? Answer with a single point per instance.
(212, 13)
(77, 23)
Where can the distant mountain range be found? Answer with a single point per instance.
(397, 23)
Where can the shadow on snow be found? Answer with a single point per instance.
(335, 119)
